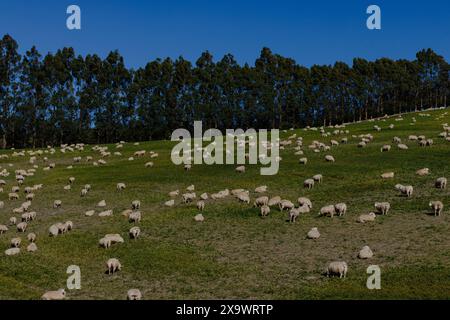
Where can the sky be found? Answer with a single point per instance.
(310, 32)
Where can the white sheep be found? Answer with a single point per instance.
(265, 210)
(83, 192)
(313, 233)
(12, 251)
(285, 204)
(386, 148)
(339, 268)
(188, 197)
(329, 158)
(134, 294)
(365, 253)
(190, 188)
(106, 213)
(105, 242)
(303, 160)
(201, 205)
(169, 203)
(204, 196)
(57, 204)
(387, 175)
(240, 169)
(382, 207)
(340, 208)
(101, 204)
(135, 205)
(402, 146)
(135, 217)
(243, 197)
(134, 232)
(174, 193)
(113, 265)
(12, 220)
(3, 228)
(32, 247)
(437, 207)
(318, 178)
(367, 217)
(302, 201)
(22, 226)
(261, 201)
(441, 183)
(261, 189)
(54, 295)
(274, 201)
(120, 186)
(13, 196)
(308, 183)
(406, 190)
(53, 230)
(15, 242)
(327, 210)
(31, 237)
(199, 218)
(423, 172)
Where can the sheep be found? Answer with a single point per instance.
(71, 180)
(406, 190)
(240, 169)
(362, 144)
(32, 247)
(13, 196)
(340, 209)
(201, 205)
(87, 187)
(204, 196)
(134, 232)
(134, 294)
(313, 233)
(174, 193)
(367, 217)
(26, 217)
(135, 217)
(422, 143)
(265, 210)
(318, 178)
(329, 158)
(382, 207)
(293, 214)
(261, 189)
(429, 142)
(120, 186)
(437, 207)
(169, 203)
(423, 172)
(365, 253)
(199, 218)
(385, 148)
(149, 164)
(22, 227)
(67, 188)
(402, 146)
(3, 228)
(57, 204)
(285, 204)
(53, 230)
(302, 201)
(12, 220)
(69, 225)
(15, 189)
(113, 265)
(441, 183)
(308, 183)
(387, 175)
(187, 167)
(83, 192)
(29, 197)
(62, 227)
(327, 210)
(261, 201)
(190, 188)
(274, 201)
(337, 268)
(12, 251)
(188, 197)
(413, 138)
(135, 205)
(101, 204)
(303, 160)
(106, 213)
(243, 197)
(15, 242)
(54, 295)
(105, 242)
(31, 237)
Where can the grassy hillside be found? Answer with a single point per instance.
(235, 253)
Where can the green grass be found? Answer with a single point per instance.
(235, 253)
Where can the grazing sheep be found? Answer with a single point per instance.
(243, 197)
(135, 217)
(387, 175)
(261, 201)
(169, 203)
(293, 214)
(136, 205)
(274, 201)
(437, 207)
(402, 146)
(303, 160)
(190, 188)
(12, 220)
(67, 188)
(57, 204)
(87, 187)
(53, 230)
(31, 237)
(201, 205)
(134, 294)
(423, 172)
(329, 158)
(204, 196)
(105, 242)
(261, 189)
(285, 204)
(149, 164)
(327, 210)
(101, 204)
(340, 209)
(365, 253)
(12, 251)
(113, 265)
(134, 232)
(265, 210)
(362, 144)
(302, 201)
(3, 228)
(174, 193)
(29, 196)
(337, 268)
(71, 180)
(54, 295)
(84, 192)
(385, 148)
(13, 196)
(89, 213)
(188, 197)
(199, 218)
(441, 183)
(382, 207)
(32, 247)
(308, 183)
(240, 169)
(15, 189)
(313, 233)
(68, 225)
(120, 186)
(187, 167)
(367, 217)
(22, 227)
(15, 242)
(106, 213)
(318, 178)
(405, 190)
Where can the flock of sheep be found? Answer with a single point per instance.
(23, 215)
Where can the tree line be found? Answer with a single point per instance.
(63, 97)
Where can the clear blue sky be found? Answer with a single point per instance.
(311, 32)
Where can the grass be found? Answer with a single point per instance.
(235, 253)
